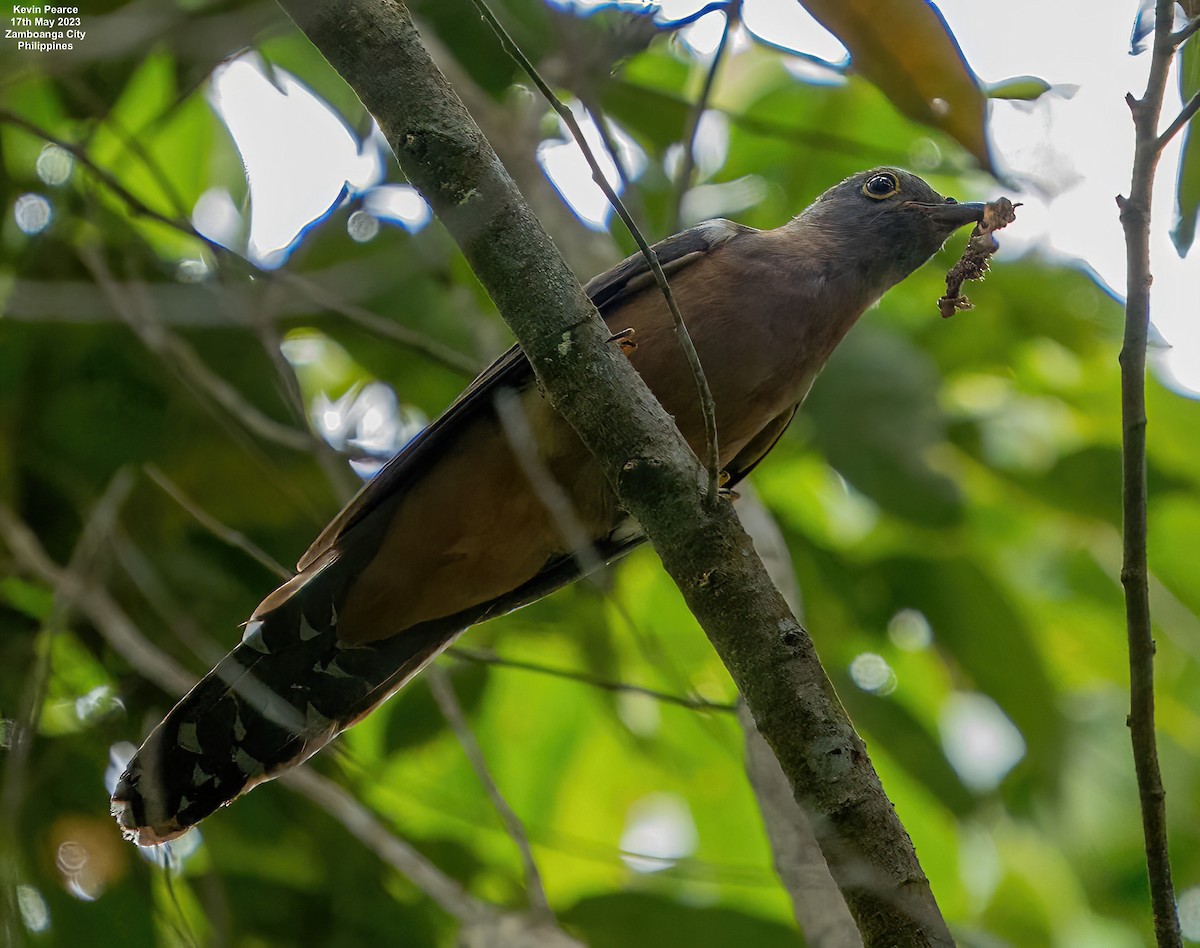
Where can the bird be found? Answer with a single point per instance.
(454, 530)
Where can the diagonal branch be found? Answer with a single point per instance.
(465, 654)
(447, 702)
(228, 535)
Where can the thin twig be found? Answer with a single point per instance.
(214, 526)
(191, 369)
(1184, 116)
(687, 163)
(523, 443)
(96, 528)
(131, 200)
(371, 832)
(438, 352)
(562, 511)
(487, 658)
(707, 405)
(1181, 37)
(447, 702)
(94, 602)
(1135, 219)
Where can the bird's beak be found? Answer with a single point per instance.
(952, 214)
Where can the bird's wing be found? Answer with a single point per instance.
(608, 292)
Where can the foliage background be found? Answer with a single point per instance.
(949, 498)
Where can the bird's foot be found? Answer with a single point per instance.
(625, 340)
(727, 492)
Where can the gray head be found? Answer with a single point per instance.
(885, 223)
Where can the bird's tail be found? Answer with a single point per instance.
(288, 689)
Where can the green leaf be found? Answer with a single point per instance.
(1187, 195)
(976, 622)
(33, 600)
(912, 746)
(640, 918)
(906, 49)
(1023, 88)
(876, 418)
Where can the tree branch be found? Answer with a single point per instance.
(375, 48)
(1135, 218)
(617, 687)
(1178, 39)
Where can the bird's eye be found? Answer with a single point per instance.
(880, 186)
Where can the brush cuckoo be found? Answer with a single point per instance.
(451, 532)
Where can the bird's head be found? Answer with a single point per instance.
(885, 223)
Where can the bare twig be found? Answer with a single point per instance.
(135, 204)
(438, 352)
(1181, 37)
(1185, 115)
(94, 602)
(183, 358)
(214, 526)
(707, 405)
(447, 702)
(487, 658)
(687, 162)
(370, 831)
(1135, 218)
(549, 491)
(566, 519)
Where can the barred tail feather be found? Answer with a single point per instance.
(271, 703)
(287, 691)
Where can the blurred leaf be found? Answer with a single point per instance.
(876, 417)
(909, 744)
(32, 599)
(657, 117)
(1173, 535)
(413, 716)
(975, 622)
(907, 50)
(642, 918)
(1088, 483)
(1187, 195)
